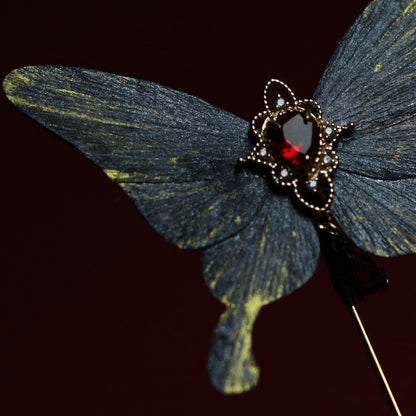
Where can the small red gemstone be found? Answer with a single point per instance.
(294, 137)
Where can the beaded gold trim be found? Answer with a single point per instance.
(278, 100)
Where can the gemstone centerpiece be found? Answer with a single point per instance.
(295, 137)
(296, 144)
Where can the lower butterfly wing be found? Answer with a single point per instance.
(371, 81)
(380, 215)
(267, 260)
(174, 154)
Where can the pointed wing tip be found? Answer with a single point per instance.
(14, 80)
(10, 81)
(21, 77)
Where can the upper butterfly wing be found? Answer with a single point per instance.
(175, 155)
(371, 81)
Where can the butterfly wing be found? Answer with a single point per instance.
(175, 155)
(371, 81)
(270, 258)
(384, 211)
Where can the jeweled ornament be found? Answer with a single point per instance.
(297, 145)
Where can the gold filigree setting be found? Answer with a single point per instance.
(297, 145)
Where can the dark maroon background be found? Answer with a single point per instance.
(100, 316)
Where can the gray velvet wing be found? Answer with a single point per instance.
(371, 81)
(174, 154)
(267, 260)
(380, 215)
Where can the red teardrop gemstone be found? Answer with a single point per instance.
(294, 137)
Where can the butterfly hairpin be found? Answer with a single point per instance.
(260, 200)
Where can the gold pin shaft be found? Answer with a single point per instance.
(375, 360)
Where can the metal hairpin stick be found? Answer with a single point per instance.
(374, 359)
(349, 268)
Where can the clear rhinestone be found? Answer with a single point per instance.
(263, 152)
(328, 131)
(312, 184)
(284, 173)
(327, 159)
(280, 102)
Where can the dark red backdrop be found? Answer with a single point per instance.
(100, 315)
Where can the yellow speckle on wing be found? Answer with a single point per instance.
(357, 218)
(378, 67)
(283, 273)
(406, 12)
(382, 253)
(364, 202)
(21, 102)
(226, 302)
(13, 78)
(126, 78)
(409, 9)
(114, 174)
(213, 284)
(238, 220)
(395, 158)
(263, 240)
(73, 93)
(241, 361)
(253, 307)
(173, 159)
(293, 233)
